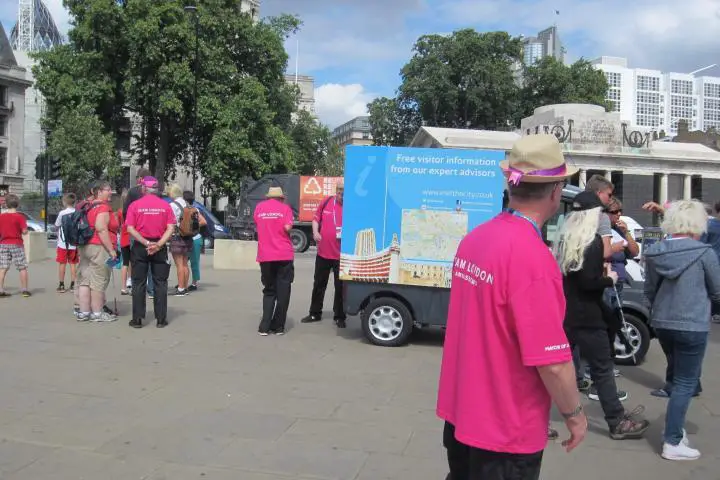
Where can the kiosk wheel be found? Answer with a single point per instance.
(387, 322)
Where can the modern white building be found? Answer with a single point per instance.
(655, 100)
(546, 44)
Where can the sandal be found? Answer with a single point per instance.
(629, 427)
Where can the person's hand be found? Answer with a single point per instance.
(152, 248)
(577, 426)
(653, 207)
(317, 237)
(113, 254)
(614, 277)
(621, 226)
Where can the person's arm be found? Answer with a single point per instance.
(316, 230)
(538, 311)
(711, 266)
(102, 221)
(650, 286)
(23, 226)
(136, 235)
(632, 248)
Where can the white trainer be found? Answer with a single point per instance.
(680, 452)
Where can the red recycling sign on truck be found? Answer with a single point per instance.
(312, 192)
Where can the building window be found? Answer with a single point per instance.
(3, 160)
(614, 79)
(3, 95)
(3, 127)
(682, 87)
(712, 90)
(648, 83)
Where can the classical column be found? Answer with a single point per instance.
(687, 187)
(608, 175)
(582, 182)
(663, 188)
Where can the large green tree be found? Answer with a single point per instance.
(550, 81)
(138, 58)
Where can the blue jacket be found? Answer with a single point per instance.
(682, 278)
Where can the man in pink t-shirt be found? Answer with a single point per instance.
(273, 220)
(327, 227)
(505, 329)
(151, 223)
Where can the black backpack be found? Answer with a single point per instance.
(76, 228)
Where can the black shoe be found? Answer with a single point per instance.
(108, 310)
(180, 293)
(136, 323)
(583, 386)
(311, 319)
(340, 322)
(61, 288)
(72, 286)
(278, 332)
(192, 288)
(162, 323)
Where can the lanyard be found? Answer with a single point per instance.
(514, 212)
(334, 219)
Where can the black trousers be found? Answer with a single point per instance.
(159, 267)
(277, 278)
(470, 463)
(596, 350)
(323, 267)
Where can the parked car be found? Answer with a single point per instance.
(33, 224)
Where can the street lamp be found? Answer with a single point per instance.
(193, 9)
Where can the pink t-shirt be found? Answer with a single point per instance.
(331, 213)
(274, 244)
(150, 216)
(505, 319)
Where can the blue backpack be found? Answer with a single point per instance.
(76, 228)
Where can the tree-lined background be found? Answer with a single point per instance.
(136, 59)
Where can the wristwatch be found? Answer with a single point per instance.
(578, 410)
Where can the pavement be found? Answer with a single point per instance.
(207, 398)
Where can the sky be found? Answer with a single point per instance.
(355, 49)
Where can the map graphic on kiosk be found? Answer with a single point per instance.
(406, 210)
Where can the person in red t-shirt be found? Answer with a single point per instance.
(124, 249)
(151, 222)
(94, 272)
(274, 219)
(505, 328)
(13, 226)
(327, 227)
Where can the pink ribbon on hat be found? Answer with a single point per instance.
(516, 175)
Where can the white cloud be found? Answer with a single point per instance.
(335, 104)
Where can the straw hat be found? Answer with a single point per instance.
(537, 159)
(275, 192)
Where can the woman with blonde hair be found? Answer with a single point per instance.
(180, 246)
(588, 321)
(682, 281)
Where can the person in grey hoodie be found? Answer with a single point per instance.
(682, 280)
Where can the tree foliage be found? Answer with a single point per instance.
(85, 150)
(476, 80)
(549, 82)
(391, 122)
(138, 58)
(315, 151)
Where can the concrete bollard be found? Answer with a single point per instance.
(235, 255)
(36, 246)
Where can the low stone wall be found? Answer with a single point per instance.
(36, 246)
(235, 255)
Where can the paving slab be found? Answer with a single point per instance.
(207, 398)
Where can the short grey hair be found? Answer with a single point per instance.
(598, 183)
(685, 217)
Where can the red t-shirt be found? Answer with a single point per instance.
(12, 226)
(505, 319)
(274, 244)
(331, 213)
(150, 216)
(113, 226)
(124, 235)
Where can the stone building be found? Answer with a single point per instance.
(599, 143)
(709, 138)
(12, 120)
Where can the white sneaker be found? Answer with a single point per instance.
(102, 317)
(681, 451)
